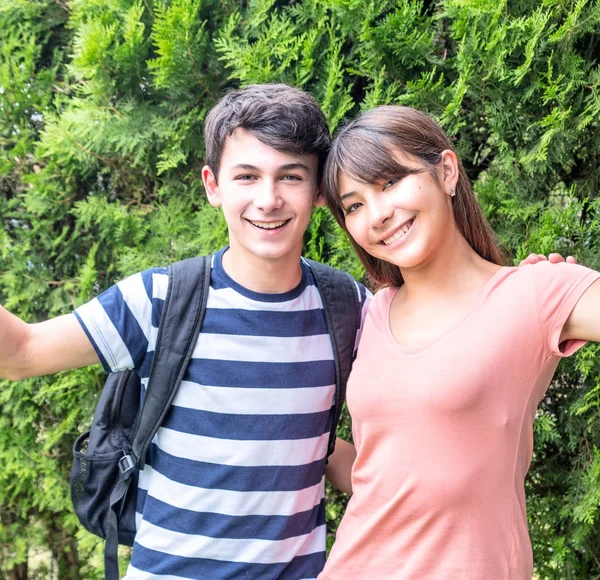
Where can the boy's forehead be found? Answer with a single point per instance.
(244, 148)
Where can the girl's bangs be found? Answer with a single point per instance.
(367, 159)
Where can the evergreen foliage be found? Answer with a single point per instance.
(101, 111)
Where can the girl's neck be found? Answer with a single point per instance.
(437, 296)
(455, 269)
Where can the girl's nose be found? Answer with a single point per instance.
(379, 212)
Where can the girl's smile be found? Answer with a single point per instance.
(399, 234)
(403, 220)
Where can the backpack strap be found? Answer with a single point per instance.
(342, 308)
(178, 330)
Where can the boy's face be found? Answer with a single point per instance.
(267, 197)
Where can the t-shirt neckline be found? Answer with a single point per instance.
(487, 287)
(220, 272)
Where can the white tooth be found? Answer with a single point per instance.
(268, 226)
(401, 232)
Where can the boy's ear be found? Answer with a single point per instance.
(319, 198)
(211, 186)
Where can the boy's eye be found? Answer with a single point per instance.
(244, 177)
(390, 183)
(292, 178)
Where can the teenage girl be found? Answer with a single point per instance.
(455, 355)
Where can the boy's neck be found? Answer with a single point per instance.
(261, 274)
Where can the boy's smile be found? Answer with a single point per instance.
(267, 198)
(269, 225)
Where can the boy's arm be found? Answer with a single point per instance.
(30, 350)
(339, 466)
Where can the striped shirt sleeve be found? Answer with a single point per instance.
(121, 322)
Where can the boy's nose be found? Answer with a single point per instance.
(268, 198)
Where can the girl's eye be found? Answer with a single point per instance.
(352, 208)
(390, 183)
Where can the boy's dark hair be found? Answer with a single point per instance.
(280, 116)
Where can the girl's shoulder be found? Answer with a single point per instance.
(543, 277)
(549, 278)
(384, 296)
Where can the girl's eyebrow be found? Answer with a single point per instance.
(347, 195)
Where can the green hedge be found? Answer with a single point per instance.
(101, 111)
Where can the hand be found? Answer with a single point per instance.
(553, 258)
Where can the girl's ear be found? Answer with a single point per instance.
(211, 186)
(449, 162)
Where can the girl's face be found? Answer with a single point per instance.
(404, 221)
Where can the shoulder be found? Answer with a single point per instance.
(139, 295)
(543, 276)
(149, 285)
(384, 295)
(551, 279)
(325, 274)
(380, 303)
(546, 268)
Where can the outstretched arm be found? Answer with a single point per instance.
(29, 350)
(339, 466)
(584, 321)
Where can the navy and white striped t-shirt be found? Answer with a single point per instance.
(234, 483)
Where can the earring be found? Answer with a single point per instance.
(452, 192)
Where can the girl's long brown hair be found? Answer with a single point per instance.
(365, 151)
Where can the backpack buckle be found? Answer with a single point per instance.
(126, 467)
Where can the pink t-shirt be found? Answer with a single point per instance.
(444, 435)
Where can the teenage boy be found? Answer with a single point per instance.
(234, 484)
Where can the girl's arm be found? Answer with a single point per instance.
(584, 321)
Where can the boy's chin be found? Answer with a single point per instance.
(267, 252)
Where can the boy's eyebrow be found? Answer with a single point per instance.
(245, 166)
(295, 166)
(285, 167)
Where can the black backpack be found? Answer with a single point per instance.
(108, 458)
